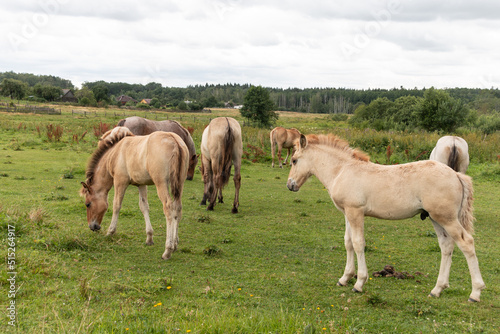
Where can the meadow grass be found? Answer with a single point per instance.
(272, 267)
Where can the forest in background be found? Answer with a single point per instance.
(311, 100)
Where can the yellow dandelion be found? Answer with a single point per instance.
(251, 295)
(158, 304)
(239, 289)
(169, 287)
(188, 331)
(126, 329)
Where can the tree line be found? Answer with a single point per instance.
(397, 108)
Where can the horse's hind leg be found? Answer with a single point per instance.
(446, 244)
(350, 268)
(465, 242)
(237, 184)
(144, 206)
(207, 180)
(172, 211)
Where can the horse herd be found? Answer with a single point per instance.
(141, 152)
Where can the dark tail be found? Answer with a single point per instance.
(121, 122)
(226, 159)
(453, 160)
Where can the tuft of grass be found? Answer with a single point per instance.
(205, 219)
(84, 289)
(212, 250)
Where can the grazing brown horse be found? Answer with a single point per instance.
(221, 147)
(452, 151)
(123, 159)
(142, 126)
(283, 138)
(360, 188)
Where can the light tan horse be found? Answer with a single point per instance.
(123, 159)
(143, 126)
(283, 138)
(360, 188)
(452, 151)
(221, 147)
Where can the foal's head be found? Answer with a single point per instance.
(193, 161)
(300, 171)
(96, 203)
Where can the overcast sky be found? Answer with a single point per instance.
(274, 43)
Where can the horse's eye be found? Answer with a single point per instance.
(87, 204)
(294, 161)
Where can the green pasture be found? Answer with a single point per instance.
(271, 268)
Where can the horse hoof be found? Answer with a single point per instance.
(340, 284)
(234, 210)
(473, 300)
(355, 290)
(431, 295)
(149, 243)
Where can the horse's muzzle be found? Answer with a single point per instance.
(94, 227)
(292, 186)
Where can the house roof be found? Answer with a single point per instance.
(124, 98)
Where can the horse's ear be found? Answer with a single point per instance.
(86, 189)
(303, 141)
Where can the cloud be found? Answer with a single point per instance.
(287, 43)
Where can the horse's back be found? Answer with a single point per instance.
(215, 134)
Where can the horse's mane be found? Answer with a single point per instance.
(107, 141)
(332, 140)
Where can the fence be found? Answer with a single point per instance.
(151, 115)
(27, 109)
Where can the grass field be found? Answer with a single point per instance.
(271, 268)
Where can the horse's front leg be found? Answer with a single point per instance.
(287, 155)
(280, 147)
(355, 217)
(350, 267)
(120, 188)
(144, 206)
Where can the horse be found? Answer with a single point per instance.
(221, 147)
(452, 151)
(123, 159)
(283, 138)
(360, 188)
(142, 126)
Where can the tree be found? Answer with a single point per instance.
(47, 92)
(258, 107)
(85, 97)
(101, 92)
(439, 111)
(13, 88)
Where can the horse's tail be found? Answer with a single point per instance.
(178, 170)
(226, 158)
(272, 138)
(453, 158)
(466, 216)
(121, 122)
